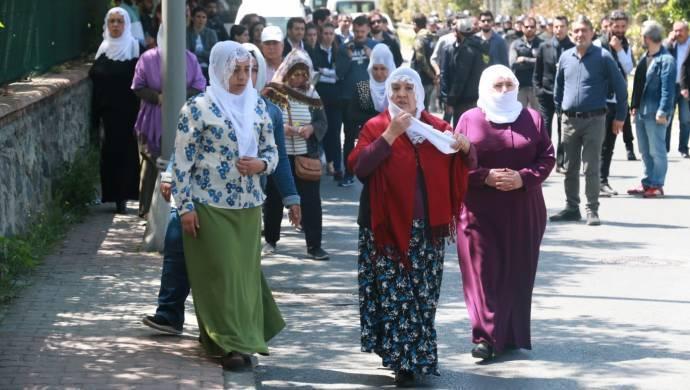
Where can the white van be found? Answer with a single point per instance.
(276, 12)
(352, 6)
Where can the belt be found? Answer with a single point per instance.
(587, 114)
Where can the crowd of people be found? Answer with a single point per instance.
(263, 125)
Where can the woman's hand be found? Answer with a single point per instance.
(398, 125)
(190, 223)
(165, 191)
(306, 131)
(291, 131)
(462, 144)
(508, 180)
(295, 215)
(248, 166)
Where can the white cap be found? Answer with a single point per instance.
(271, 33)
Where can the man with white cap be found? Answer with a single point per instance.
(272, 49)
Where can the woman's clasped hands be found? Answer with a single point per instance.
(504, 179)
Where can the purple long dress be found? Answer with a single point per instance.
(499, 232)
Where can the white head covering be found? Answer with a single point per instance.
(240, 109)
(296, 56)
(118, 49)
(407, 75)
(497, 106)
(380, 55)
(160, 39)
(261, 61)
(418, 131)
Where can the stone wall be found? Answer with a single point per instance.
(44, 123)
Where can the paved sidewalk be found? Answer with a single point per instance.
(611, 308)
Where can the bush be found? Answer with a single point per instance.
(73, 191)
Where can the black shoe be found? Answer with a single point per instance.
(561, 169)
(160, 324)
(317, 254)
(631, 156)
(338, 176)
(121, 207)
(684, 154)
(593, 218)
(483, 351)
(566, 215)
(404, 378)
(605, 190)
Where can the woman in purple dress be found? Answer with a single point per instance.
(147, 84)
(504, 216)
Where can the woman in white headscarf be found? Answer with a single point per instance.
(224, 144)
(414, 180)
(305, 126)
(504, 215)
(369, 97)
(116, 106)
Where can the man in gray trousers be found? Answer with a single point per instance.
(585, 75)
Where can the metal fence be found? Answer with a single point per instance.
(39, 34)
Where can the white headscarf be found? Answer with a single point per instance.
(118, 49)
(497, 106)
(160, 40)
(261, 63)
(418, 131)
(407, 75)
(240, 109)
(380, 55)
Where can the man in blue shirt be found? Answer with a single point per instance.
(586, 73)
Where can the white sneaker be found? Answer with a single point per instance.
(268, 249)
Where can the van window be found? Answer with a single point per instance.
(351, 7)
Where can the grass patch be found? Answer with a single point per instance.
(73, 190)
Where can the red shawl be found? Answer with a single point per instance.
(392, 186)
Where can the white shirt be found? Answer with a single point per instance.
(681, 54)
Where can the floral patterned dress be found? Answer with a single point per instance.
(397, 307)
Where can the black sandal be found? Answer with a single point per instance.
(483, 351)
(404, 378)
(236, 361)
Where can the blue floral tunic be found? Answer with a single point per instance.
(206, 151)
(397, 307)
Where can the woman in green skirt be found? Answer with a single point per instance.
(224, 144)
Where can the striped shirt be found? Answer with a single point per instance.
(301, 116)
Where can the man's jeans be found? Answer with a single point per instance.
(650, 140)
(684, 117)
(174, 283)
(582, 137)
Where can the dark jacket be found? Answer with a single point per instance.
(524, 70)
(392, 44)
(287, 47)
(361, 107)
(545, 67)
(460, 72)
(495, 49)
(208, 39)
(216, 24)
(685, 67)
(283, 173)
(421, 58)
(352, 69)
(330, 93)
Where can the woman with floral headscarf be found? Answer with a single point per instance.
(503, 216)
(414, 181)
(224, 145)
(305, 126)
(116, 106)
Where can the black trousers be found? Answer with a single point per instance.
(547, 108)
(459, 109)
(610, 141)
(331, 141)
(310, 202)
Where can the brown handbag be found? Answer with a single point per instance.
(307, 168)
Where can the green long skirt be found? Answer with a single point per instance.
(234, 305)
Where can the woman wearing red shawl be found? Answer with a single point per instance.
(414, 181)
(503, 216)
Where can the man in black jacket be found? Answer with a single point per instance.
(460, 72)
(545, 75)
(679, 47)
(522, 57)
(296, 28)
(376, 21)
